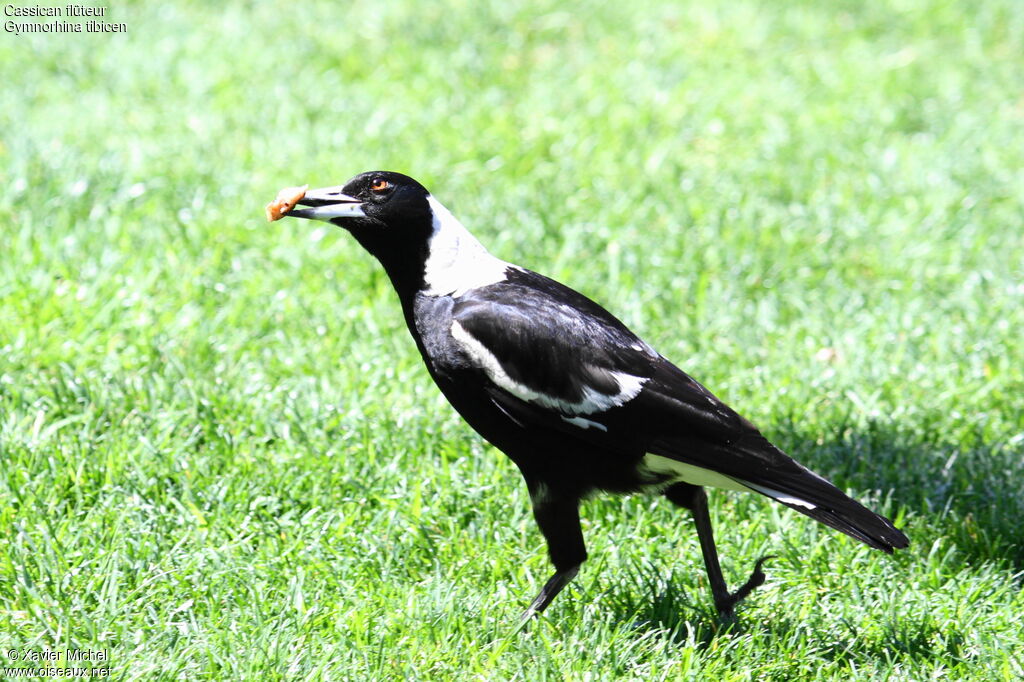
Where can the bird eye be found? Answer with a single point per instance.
(380, 185)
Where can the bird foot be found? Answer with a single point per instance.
(725, 602)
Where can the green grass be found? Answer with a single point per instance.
(221, 458)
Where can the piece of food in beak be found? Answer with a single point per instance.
(285, 201)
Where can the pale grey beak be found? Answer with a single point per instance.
(328, 203)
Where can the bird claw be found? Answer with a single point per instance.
(725, 603)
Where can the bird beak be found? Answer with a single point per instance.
(326, 204)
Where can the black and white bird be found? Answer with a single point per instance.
(566, 390)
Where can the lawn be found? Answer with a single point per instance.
(221, 457)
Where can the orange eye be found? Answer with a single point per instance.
(380, 184)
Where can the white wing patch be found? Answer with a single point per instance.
(781, 497)
(584, 423)
(456, 260)
(688, 473)
(591, 402)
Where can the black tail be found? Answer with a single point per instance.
(801, 489)
(849, 516)
(756, 464)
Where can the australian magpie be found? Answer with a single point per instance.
(566, 390)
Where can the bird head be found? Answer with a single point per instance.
(388, 213)
(380, 201)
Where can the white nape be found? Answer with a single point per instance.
(591, 402)
(456, 260)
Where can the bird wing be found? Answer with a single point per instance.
(557, 360)
(557, 351)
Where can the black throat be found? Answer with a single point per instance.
(401, 249)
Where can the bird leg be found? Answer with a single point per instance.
(547, 593)
(559, 522)
(696, 500)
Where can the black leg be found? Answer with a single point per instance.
(547, 593)
(696, 500)
(559, 521)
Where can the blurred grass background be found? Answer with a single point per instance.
(221, 458)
